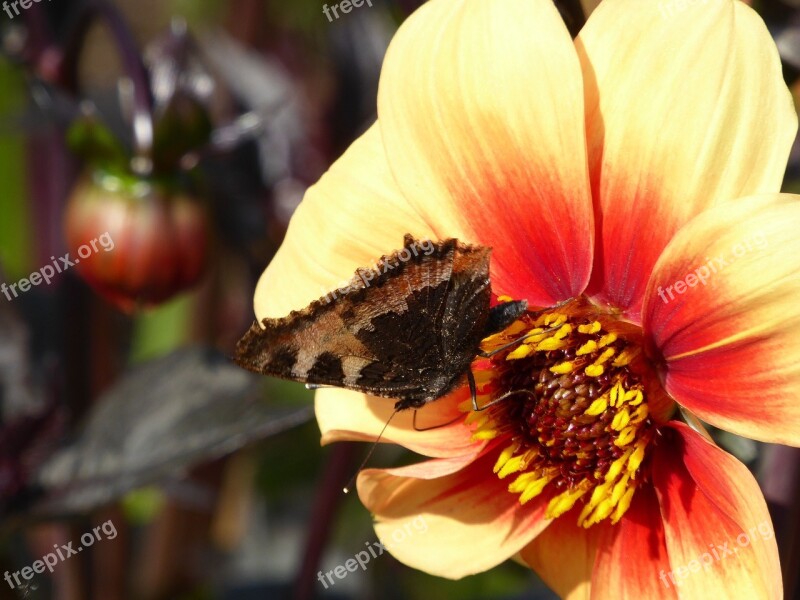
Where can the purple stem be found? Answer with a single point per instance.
(132, 64)
(779, 476)
(337, 470)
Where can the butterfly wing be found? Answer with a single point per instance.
(466, 313)
(385, 337)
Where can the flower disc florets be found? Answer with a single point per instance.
(566, 402)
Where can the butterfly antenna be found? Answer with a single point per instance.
(347, 488)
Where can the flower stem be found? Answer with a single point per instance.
(340, 463)
(132, 64)
(779, 475)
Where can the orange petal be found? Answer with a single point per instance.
(718, 530)
(352, 216)
(686, 107)
(722, 310)
(344, 415)
(633, 553)
(468, 522)
(481, 109)
(563, 555)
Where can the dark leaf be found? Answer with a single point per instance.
(162, 418)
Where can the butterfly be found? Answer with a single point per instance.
(407, 328)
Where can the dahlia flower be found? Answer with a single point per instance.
(628, 183)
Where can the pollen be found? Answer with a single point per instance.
(573, 422)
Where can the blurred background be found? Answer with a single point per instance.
(151, 155)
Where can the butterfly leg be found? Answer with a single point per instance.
(503, 397)
(414, 423)
(473, 389)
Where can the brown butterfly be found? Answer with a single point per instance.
(407, 329)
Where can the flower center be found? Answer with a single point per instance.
(564, 393)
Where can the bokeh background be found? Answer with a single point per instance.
(188, 130)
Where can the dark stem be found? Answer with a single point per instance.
(341, 461)
(132, 64)
(779, 476)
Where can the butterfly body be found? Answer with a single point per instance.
(408, 332)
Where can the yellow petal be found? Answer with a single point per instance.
(481, 109)
(723, 309)
(343, 415)
(719, 536)
(633, 553)
(563, 555)
(686, 107)
(451, 513)
(352, 216)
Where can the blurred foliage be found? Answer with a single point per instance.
(16, 233)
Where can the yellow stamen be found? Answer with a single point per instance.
(585, 512)
(484, 434)
(520, 351)
(594, 370)
(626, 437)
(550, 343)
(555, 320)
(565, 501)
(634, 397)
(615, 392)
(623, 505)
(607, 339)
(637, 457)
(513, 465)
(608, 353)
(616, 467)
(597, 407)
(594, 327)
(587, 348)
(522, 481)
(563, 332)
(599, 492)
(621, 420)
(562, 368)
(535, 488)
(601, 512)
(496, 339)
(640, 414)
(619, 489)
(625, 357)
(504, 456)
